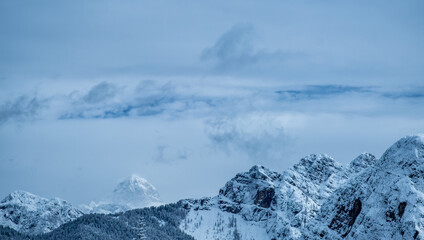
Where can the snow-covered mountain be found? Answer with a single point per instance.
(386, 201)
(318, 198)
(31, 214)
(133, 192)
(261, 204)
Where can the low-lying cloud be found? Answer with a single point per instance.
(20, 109)
(260, 136)
(100, 93)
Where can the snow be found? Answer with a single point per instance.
(318, 198)
(276, 205)
(390, 195)
(31, 214)
(134, 192)
(215, 224)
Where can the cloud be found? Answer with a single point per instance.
(260, 136)
(21, 108)
(321, 91)
(234, 50)
(179, 100)
(100, 92)
(147, 99)
(416, 93)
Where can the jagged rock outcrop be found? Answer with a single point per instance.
(385, 201)
(31, 214)
(277, 206)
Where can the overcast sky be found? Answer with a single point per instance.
(188, 93)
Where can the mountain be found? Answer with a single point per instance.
(134, 192)
(262, 204)
(154, 223)
(31, 214)
(386, 201)
(318, 198)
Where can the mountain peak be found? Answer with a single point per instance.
(406, 153)
(135, 183)
(252, 187)
(361, 162)
(135, 192)
(20, 195)
(317, 167)
(313, 160)
(263, 173)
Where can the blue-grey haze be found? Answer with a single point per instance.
(188, 93)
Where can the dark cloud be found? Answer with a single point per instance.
(321, 91)
(234, 47)
(417, 93)
(101, 92)
(148, 99)
(235, 50)
(21, 108)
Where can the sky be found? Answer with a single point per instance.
(187, 94)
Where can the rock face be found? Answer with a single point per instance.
(386, 201)
(31, 214)
(262, 204)
(133, 192)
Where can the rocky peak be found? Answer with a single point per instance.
(31, 214)
(317, 167)
(253, 187)
(360, 163)
(406, 154)
(363, 161)
(261, 173)
(20, 196)
(382, 202)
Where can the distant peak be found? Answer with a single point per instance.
(136, 178)
(135, 191)
(135, 183)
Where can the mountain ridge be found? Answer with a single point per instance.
(317, 198)
(32, 214)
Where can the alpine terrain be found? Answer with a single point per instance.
(318, 198)
(31, 214)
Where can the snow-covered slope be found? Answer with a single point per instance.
(133, 192)
(386, 201)
(31, 214)
(269, 205)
